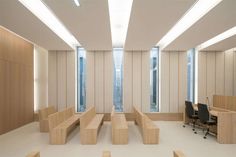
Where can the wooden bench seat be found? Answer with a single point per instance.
(119, 128)
(43, 118)
(90, 124)
(149, 131)
(61, 124)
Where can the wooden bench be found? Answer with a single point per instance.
(61, 124)
(178, 153)
(43, 118)
(90, 124)
(119, 129)
(33, 154)
(106, 154)
(149, 130)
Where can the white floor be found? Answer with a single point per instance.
(173, 136)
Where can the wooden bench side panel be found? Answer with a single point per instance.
(106, 154)
(33, 154)
(86, 117)
(43, 118)
(178, 153)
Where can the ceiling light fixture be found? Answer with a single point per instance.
(218, 38)
(77, 3)
(119, 11)
(41, 11)
(200, 8)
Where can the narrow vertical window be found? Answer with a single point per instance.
(118, 79)
(154, 79)
(81, 92)
(191, 75)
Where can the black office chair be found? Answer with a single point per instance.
(189, 110)
(204, 117)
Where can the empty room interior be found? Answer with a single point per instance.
(117, 78)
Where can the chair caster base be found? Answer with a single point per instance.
(183, 126)
(204, 137)
(195, 132)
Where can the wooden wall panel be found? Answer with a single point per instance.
(220, 73)
(202, 86)
(137, 79)
(182, 80)
(165, 82)
(174, 82)
(99, 81)
(229, 73)
(70, 79)
(127, 82)
(234, 73)
(52, 79)
(211, 76)
(16, 81)
(90, 79)
(108, 79)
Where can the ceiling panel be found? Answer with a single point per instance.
(15, 17)
(218, 20)
(89, 23)
(150, 20)
(224, 45)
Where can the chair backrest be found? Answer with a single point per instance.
(203, 113)
(189, 108)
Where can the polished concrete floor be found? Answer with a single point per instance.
(173, 136)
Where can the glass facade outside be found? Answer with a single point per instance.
(81, 76)
(118, 79)
(154, 80)
(190, 74)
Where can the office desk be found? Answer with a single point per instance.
(226, 124)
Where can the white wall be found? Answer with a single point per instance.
(216, 74)
(99, 80)
(136, 81)
(40, 78)
(173, 81)
(61, 79)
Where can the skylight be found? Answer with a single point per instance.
(40, 10)
(200, 8)
(218, 38)
(119, 11)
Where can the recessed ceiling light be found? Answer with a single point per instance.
(218, 38)
(200, 8)
(41, 11)
(77, 2)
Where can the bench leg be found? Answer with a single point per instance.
(58, 137)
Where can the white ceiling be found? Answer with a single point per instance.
(150, 20)
(224, 45)
(89, 23)
(218, 20)
(15, 17)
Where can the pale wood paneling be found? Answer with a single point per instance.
(137, 79)
(61, 80)
(16, 81)
(145, 82)
(52, 79)
(99, 81)
(211, 76)
(108, 79)
(165, 82)
(234, 73)
(182, 80)
(229, 73)
(90, 79)
(70, 79)
(174, 82)
(220, 73)
(202, 77)
(127, 82)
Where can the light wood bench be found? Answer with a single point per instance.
(90, 124)
(149, 130)
(119, 129)
(33, 154)
(178, 153)
(43, 118)
(106, 154)
(61, 124)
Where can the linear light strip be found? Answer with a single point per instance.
(41, 11)
(218, 38)
(200, 8)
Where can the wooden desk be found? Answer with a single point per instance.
(226, 124)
